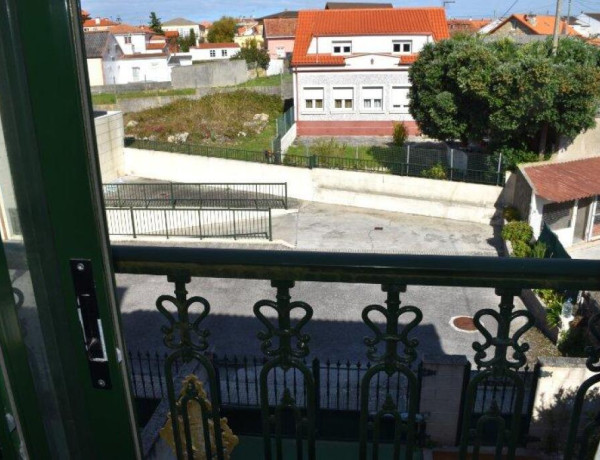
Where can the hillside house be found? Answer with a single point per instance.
(102, 53)
(530, 24)
(214, 51)
(184, 27)
(279, 35)
(350, 68)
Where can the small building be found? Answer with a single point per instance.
(102, 53)
(530, 24)
(563, 195)
(131, 39)
(587, 24)
(279, 35)
(183, 27)
(147, 67)
(350, 68)
(248, 31)
(466, 26)
(214, 51)
(98, 24)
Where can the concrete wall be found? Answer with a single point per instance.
(131, 87)
(427, 197)
(276, 66)
(288, 139)
(587, 144)
(222, 73)
(95, 71)
(110, 138)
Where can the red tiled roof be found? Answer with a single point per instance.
(544, 25)
(280, 27)
(155, 46)
(156, 38)
(324, 23)
(127, 29)
(207, 46)
(99, 22)
(566, 181)
(145, 56)
(408, 59)
(171, 34)
(467, 25)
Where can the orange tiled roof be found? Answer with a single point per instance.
(324, 23)
(280, 27)
(127, 29)
(171, 33)
(467, 25)
(544, 25)
(566, 181)
(408, 59)
(155, 46)
(99, 22)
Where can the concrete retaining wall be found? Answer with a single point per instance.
(142, 103)
(426, 197)
(288, 139)
(110, 139)
(130, 87)
(221, 73)
(538, 310)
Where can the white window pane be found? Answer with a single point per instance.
(367, 103)
(377, 103)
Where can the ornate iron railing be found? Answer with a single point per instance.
(391, 348)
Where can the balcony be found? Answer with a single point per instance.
(402, 403)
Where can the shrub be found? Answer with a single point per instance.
(512, 156)
(553, 312)
(510, 214)
(400, 134)
(437, 171)
(538, 250)
(573, 342)
(328, 148)
(521, 249)
(517, 231)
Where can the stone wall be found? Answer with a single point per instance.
(211, 74)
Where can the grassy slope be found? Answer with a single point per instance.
(215, 119)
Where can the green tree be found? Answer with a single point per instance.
(513, 96)
(155, 23)
(222, 31)
(192, 38)
(254, 55)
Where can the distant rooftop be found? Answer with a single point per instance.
(95, 43)
(281, 15)
(280, 27)
(179, 22)
(355, 5)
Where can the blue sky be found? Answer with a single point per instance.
(137, 11)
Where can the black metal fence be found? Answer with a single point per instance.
(193, 223)
(337, 383)
(409, 160)
(191, 195)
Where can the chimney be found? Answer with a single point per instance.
(531, 19)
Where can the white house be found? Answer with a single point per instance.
(183, 27)
(131, 39)
(143, 68)
(214, 51)
(588, 24)
(563, 195)
(103, 54)
(350, 68)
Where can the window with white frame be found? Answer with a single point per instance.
(313, 98)
(128, 39)
(135, 73)
(342, 47)
(224, 53)
(402, 46)
(372, 97)
(280, 50)
(400, 99)
(213, 53)
(343, 98)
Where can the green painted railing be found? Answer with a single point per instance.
(408, 160)
(391, 346)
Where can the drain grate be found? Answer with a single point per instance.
(463, 323)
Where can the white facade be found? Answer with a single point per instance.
(213, 54)
(184, 30)
(587, 26)
(131, 70)
(368, 44)
(132, 43)
(379, 95)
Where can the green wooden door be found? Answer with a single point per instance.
(54, 256)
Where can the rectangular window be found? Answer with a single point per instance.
(400, 99)
(558, 215)
(313, 98)
(402, 47)
(213, 53)
(342, 47)
(280, 52)
(343, 98)
(372, 97)
(128, 39)
(224, 53)
(136, 73)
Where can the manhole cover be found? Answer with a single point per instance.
(463, 323)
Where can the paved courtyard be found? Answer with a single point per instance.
(336, 329)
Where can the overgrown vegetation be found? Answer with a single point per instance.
(437, 171)
(400, 134)
(517, 231)
(272, 80)
(255, 56)
(518, 99)
(244, 119)
(510, 214)
(222, 31)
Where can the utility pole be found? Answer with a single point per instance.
(568, 18)
(556, 27)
